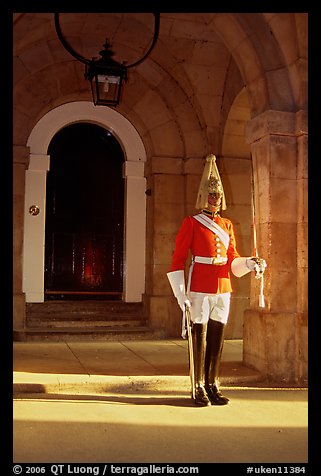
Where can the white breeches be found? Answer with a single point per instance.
(209, 306)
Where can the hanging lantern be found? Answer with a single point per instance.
(106, 78)
(106, 75)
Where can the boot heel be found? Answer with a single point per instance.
(216, 397)
(201, 398)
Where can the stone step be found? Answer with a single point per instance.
(79, 310)
(113, 306)
(83, 322)
(113, 333)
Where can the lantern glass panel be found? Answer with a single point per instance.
(106, 89)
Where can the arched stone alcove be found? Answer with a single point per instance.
(35, 194)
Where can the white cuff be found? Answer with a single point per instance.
(239, 267)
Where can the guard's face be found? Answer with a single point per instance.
(214, 200)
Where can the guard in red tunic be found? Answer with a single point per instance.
(211, 241)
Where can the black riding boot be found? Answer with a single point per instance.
(199, 347)
(215, 341)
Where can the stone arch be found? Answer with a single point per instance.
(35, 194)
(261, 68)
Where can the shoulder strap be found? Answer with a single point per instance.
(214, 228)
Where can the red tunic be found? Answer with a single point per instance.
(193, 236)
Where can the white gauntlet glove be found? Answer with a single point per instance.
(177, 282)
(241, 266)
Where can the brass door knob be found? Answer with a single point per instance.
(34, 210)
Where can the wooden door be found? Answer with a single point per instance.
(84, 215)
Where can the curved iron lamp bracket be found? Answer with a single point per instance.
(86, 61)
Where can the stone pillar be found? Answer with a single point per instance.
(275, 337)
(20, 164)
(34, 228)
(135, 231)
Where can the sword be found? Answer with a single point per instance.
(190, 348)
(259, 271)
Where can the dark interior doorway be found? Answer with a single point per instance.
(84, 215)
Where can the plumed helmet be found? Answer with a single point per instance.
(210, 183)
(215, 186)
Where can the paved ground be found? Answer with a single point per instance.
(129, 402)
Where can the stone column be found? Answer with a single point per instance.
(275, 337)
(134, 282)
(20, 164)
(34, 228)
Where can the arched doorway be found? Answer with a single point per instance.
(35, 194)
(84, 215)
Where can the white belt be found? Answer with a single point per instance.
(217, 260)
